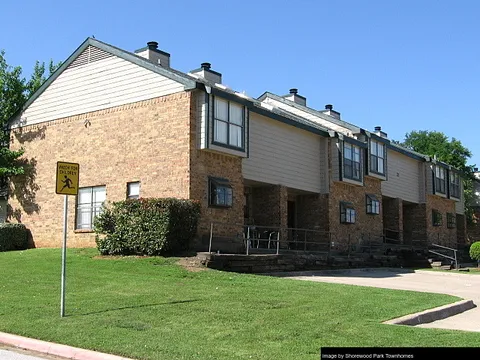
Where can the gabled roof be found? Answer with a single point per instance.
(347, 125)
(174, 75)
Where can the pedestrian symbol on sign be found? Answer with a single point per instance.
(68, 183)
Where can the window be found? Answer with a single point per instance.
(373, 205)
(220, 193)
(377, 157)
(228, 124)
(133, 190)
(437, 218)
(89, 205)
(455, 185)
(351, 162)
(440, 180)
(451, 221)
(347, 213)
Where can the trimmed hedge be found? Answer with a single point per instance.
(13, 237)
(147, 226)
(475, 251)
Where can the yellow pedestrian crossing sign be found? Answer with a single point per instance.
(67, 178)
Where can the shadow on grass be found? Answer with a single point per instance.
(133, 307)
(349, 272)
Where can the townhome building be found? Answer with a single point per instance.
(139, 128)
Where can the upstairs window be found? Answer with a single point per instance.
(347, 213)
(377, 157)
(455, 185)
(228, 124)
(451, 221)
(133, 190)
(351, 162)
(89, 204)
(220, 193)
(440, 180)
(437, 218)
(373, 205)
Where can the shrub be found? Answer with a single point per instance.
(147, 226)
(13, 237)
(475, 251)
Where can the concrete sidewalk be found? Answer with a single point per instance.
(465, 286)
(55, 350)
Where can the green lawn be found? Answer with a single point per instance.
(150, 308)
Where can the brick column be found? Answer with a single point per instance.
(393, 217)
(414, 222)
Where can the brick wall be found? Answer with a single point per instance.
(313, 212)
(393, 217)
(366, 225)
(440, 234)
(269, 205)
(205, 163)
(414, 223)
(147, 141)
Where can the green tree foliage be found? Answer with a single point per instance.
(475, 251)
(14, 91)
(451, 151)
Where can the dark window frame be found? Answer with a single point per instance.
(375, 157)
(455, 185)
(95, 208)
(220, 193)
(440, 184)
(350, 165)
(437, 218)
(348, 214)
(451, 220)
(229, 124)
(372, 204)
(129, 196)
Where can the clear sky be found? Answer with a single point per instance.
(403, 65)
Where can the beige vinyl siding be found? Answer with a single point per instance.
(308, 116)
(283, 154)
(404, 178)
(97, 85)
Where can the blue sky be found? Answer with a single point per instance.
(403, 65)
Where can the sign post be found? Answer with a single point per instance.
(66, 184)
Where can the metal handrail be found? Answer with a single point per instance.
(446, 256)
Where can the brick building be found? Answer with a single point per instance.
(137, 127)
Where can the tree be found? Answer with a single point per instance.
(14, 91)
(437, 144)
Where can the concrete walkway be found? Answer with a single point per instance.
(465, 286)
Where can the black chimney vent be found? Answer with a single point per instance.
(378, 128)
(294, 91)
(152, 45)
(475, 169)
(329, 107)
(206, 66)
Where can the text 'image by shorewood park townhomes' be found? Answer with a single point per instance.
(270, 165)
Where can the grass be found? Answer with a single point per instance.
(151, 308)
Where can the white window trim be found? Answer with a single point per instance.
(95, 208)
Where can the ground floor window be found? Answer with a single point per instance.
(451, 220)
(133, 190)
(347, 213)
(220, 192)
(89, 204)
(373, 205)
(437, 218)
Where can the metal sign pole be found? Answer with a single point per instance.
(64, 255)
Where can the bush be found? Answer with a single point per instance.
(13, 237)
(147, 226)
(475, 251)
